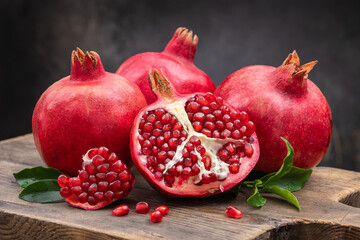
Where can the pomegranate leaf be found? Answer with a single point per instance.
(256, 199)
(293, 180)
(42, 191)
(286, 194)
(286, 180)
(28, 176)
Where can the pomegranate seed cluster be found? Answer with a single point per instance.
(210, 116)
(163, 135)
(103, 179)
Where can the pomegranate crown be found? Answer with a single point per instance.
(301, 72)
(183, 44)
(291, 77)
(85, 66)
(161, 86)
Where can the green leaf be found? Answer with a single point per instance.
(28, 176)
(285, 167)
(256, 199)
(287, 195)
(42, 191)
(293, 180)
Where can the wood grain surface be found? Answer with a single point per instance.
(330, 203)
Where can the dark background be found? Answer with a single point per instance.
(37, 38)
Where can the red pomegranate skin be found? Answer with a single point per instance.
(176, 61)
(282, 102)
(87, 109)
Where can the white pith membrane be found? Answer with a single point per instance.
(212, 146)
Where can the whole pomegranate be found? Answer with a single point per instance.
(89, 108)
(193, 145)
(103, 180)
(176, 61)
(282, 102)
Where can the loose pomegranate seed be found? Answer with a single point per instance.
(233, 212)
(121, 210)
(142, 207)
(156, 216)
(163, 209)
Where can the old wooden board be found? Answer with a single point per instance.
(330, 204)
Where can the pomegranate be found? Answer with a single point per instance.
(163, 209)
(121, 210)
(176, 61)
(233, 212)
(89, 108)
(103, 179)
(156, 216)
(282, 102)
(142, 207)
(193, 145)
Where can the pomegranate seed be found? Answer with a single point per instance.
(104, 168)
(92, 201)
(223, 154)
(219, 100)
(142, 207)
(158, 176)
(177, 126)
(199, 116)
(148, 127)
(200, 149)
(234, 115)
(250, 126)
(156, 216)
(121, 210)
(234, 168)
(109, 195)
(226, 118)
(236, 134)
(195, 141)
(248, 150)
(197, 126)
(160, 141)
(103, 186)
(206, 179)
(146, 151)
(176, 133)
(112, 158)
(193, 107)
(166, 128)
(201, 100)
(104, 152)
(205, 110)
(188, 162)
(231, 148)
(124, 176)
(151, 118)
(100, 176)
(163, 209)
(90, 167)
(159, 112)
(225, 134)
(207, 162)
(225, 110)
(210, 118)
(244, 117)
(85, 186)
(173, 143)
(160, 168)
(210, 125)
(65, 192)
(171, 154)
(63, 180)
(229, 126)
(219, 125)
(92, 179)
(169, 178)
(233, 159)
(99, 196)
(233, 212)
(82, 197)
(166, 118)
(206, 132)
(115, 186)
(186, 172)
(195, 170)
(92, 152)
(216, 134)
(111, 176)
(214, 106)
(74, 181)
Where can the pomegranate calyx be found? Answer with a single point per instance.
(183, 44)
(85, 66)
(160, 85)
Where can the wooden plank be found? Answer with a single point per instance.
(323, 216)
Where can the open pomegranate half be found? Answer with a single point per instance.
(193, 145)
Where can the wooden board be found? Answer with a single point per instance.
(330, 204)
